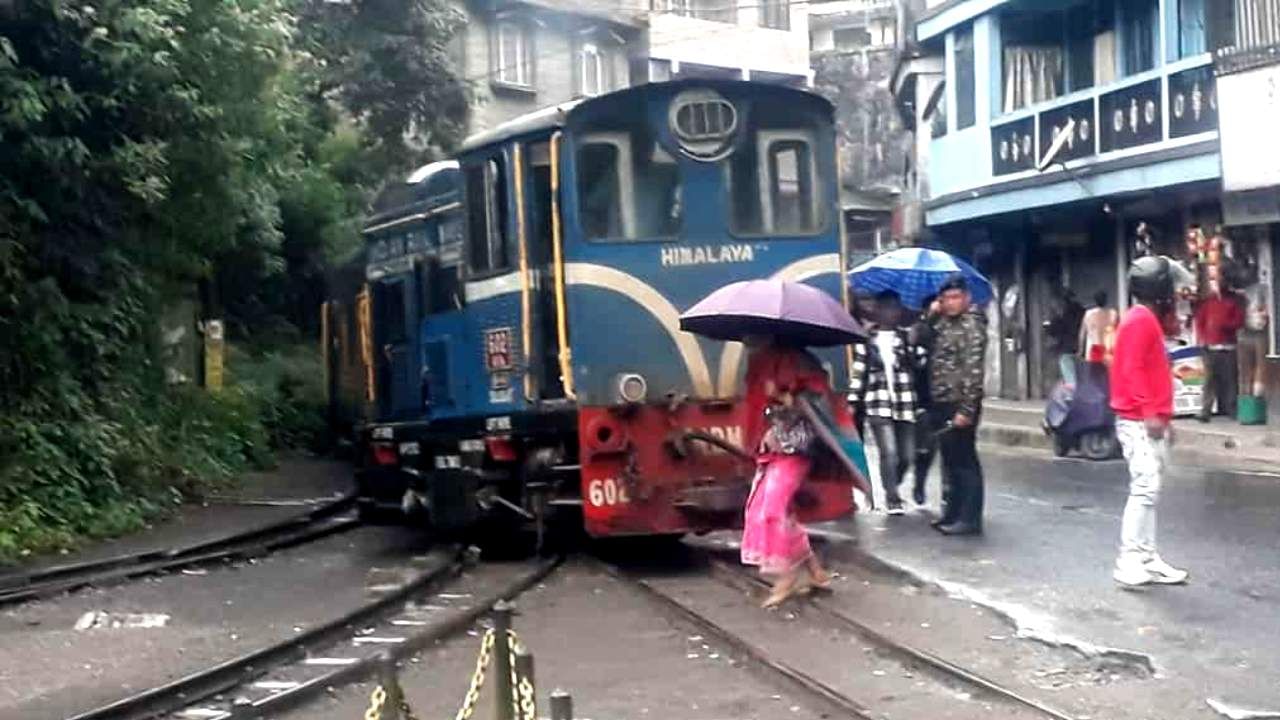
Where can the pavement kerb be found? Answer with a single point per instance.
(1195, 449)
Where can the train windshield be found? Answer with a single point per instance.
(628, 187)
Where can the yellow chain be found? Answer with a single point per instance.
(406, 712)
(377, 699)
(477, 679)
(522, 699)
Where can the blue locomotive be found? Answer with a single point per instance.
(513, 345)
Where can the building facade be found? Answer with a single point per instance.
(1054, 142)
(854, 48)
(523, 55)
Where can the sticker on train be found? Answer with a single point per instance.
(497, 350)
(604, 492)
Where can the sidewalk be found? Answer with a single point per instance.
(258, 499)
(1222, 444)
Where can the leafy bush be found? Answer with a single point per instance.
(289, 385)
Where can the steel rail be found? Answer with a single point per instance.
(304, 527)
(734, 576)
(197, 686)
(272, 705)
(836, 702)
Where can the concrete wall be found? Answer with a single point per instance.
(743, 46)
(873, 143)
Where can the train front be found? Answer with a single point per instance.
(671, 191)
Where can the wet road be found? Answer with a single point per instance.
(1051, 532)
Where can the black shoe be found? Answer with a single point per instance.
(917, 494)
(1203, 418)
(894, 507)
(959, 528)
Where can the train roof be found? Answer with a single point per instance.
(557, 116)
(429, 187)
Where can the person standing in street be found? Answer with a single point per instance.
(956, 341)
(1142, 399)
(1098, 323)
(883, 386)
(1218, 318)
(1063, 333)
(1252, 340)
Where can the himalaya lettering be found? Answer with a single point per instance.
(706, 255)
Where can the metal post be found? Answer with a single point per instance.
(561, 706)
(524, 672)
(503, 698)
(391, 685)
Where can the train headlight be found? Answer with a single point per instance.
(632, 388)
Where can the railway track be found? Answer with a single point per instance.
(322, 521)
(344, 650)
(803, 679)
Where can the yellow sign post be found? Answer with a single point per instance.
(214, 352)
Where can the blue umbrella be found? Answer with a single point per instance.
(915, 274)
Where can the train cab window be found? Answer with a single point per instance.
(790, 186)
(486, 189)
(628, 188)
(773, 185)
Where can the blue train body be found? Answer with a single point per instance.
(518, 338)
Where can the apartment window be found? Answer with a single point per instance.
(715, 10)
(591, 70)
(1204, 26)
(851, 38)
(963, 55)
(1138, 35)
(776, 14)
(513, 53)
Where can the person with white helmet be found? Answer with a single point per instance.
(1142, 398)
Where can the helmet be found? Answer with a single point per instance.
(1151, 279)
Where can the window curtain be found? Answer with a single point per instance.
(1031, 75)
(1191, 28)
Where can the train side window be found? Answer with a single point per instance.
(486, 189)
(388, 304)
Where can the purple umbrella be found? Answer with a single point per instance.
(791, 311)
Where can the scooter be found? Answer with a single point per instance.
(1080, 417)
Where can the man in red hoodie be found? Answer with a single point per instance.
(1142, 398)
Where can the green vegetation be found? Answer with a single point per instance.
(153, 150)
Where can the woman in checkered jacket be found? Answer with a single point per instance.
(883, 388)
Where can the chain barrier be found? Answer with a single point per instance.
(378, 701)
(524, 703)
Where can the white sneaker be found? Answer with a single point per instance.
(1131, 574)
(1163, 573)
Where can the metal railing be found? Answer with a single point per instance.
(1257, 23)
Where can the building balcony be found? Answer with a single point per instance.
(1151, 129)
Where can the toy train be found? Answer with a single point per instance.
(509, 345)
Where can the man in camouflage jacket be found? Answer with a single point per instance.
(956, 340)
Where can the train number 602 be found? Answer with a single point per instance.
(607, 492)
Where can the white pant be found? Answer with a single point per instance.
(1147, 459)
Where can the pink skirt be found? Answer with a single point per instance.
(771, 537)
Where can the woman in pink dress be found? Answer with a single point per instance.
(782, 439)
